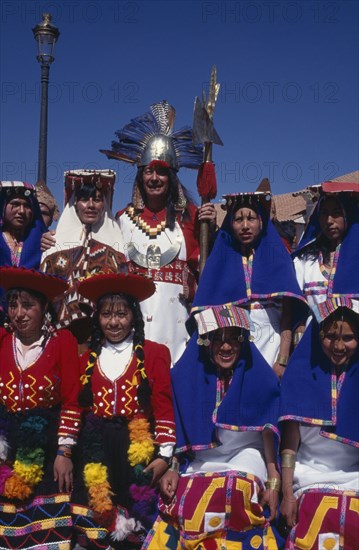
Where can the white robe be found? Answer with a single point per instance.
(325, 463)
(241, 451)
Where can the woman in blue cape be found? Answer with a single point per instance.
(250, 266)
(327, 256)
(21, 225)
(320, 437)
(225, 444)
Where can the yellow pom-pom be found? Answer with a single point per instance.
(95, 473)
(31, 473)
(141, 453)
(16, 488)
(100, 489)
(139, 429)
(100, 497)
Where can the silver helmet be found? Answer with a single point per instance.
(151, 137)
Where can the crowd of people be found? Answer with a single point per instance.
(143, 407)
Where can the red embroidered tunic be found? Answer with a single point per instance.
(119, 397)
(53, 379)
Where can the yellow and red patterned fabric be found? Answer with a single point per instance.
(327, 520)
(213, 511)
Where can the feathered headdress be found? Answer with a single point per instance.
(150, 137)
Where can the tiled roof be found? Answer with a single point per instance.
(289, 207)
(352, 177)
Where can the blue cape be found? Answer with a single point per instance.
(245, 406)
(306, 393)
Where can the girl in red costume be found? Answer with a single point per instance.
(129, 433)
(39, 415)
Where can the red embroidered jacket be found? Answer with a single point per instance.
(119, 397)
(53, 379)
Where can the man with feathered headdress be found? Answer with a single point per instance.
(159, 227)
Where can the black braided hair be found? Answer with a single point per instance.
(172, 195)
(143, 391)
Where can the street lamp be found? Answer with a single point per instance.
(46, 35)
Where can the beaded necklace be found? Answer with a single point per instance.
(336, 386)
(223, 382)
(151, 232)
(15, 249)
(247, 268)
(329, 276)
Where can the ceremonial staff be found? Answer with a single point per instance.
(204, 132)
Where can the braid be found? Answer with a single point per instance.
(143, 390)
(96, 336)
(86, 396)
(139, 326)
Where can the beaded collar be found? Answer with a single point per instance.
(151, 232)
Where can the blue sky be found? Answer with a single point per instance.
(287, 109)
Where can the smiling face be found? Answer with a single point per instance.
(26, 314)
(246, 226)
(340, 341)
(225, 347)
(155, 183)
(90, 210)
(18, 215)
(331, 220)
(116, 320)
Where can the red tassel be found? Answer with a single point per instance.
(206, 181)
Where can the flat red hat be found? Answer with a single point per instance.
(340, 186)
(30, 279)
(96, 286)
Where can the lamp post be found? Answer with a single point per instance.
(46, 35)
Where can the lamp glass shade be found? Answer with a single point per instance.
(45, 35)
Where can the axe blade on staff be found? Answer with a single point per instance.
(204, 132)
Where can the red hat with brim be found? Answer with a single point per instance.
(340, 187)
(30, 279)
(138, 286)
